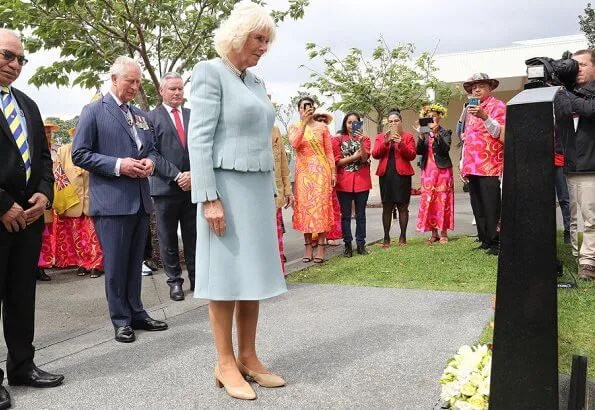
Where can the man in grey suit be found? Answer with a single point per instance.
(170, 184)
(114, 143)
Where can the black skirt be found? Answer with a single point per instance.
(394, 188)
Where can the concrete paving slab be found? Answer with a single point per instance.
(338, 347)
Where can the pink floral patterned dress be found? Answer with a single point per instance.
(436, 205)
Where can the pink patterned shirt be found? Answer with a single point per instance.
(483, 154)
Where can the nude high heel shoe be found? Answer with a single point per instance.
(263, 379)
(243, 393)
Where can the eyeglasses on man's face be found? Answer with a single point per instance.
(10, 56)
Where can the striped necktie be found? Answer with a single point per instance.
(14, 122)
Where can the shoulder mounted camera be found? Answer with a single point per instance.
(547, 72)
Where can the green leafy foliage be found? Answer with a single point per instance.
(587, 24)
(166, 35)
(389, 78)
(61, 136)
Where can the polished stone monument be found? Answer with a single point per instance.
(525, 355)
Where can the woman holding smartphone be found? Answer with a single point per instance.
(395, 150)
(352, 150)
(436, 206)
(314, 179)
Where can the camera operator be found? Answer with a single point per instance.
(483, 157)
(575, 120)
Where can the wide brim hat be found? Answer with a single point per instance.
(322, 112)
(480, 78)
(49, 124)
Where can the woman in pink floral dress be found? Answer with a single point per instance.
(436, 206)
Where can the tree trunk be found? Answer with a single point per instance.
(379, 125)
(142, 99)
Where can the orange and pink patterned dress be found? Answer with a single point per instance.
(437, 202)
(314, 163)
(483, 154)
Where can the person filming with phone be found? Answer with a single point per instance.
(394, 151)
(436, 206)
(352, 151)
(314, 179)
(483, 157)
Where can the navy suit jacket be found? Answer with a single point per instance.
(172, 157)
(102, 136)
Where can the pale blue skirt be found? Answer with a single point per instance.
(244, 263)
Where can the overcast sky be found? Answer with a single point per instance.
(455, 25)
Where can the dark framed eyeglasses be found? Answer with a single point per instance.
(320, 118)
(10, 56)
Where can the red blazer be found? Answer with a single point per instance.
(357, 181)
(404, 154)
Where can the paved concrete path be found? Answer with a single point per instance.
(338, 347)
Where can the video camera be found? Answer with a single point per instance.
(547, 72)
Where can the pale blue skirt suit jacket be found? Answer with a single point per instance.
(231, 159)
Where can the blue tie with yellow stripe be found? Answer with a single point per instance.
(14, 122)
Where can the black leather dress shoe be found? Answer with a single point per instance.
(361, 249)
(41, 275)
(493, 251)
(149, 324)
(4, 398)
(176, 293)
(36, 377)
(348, 250)
(151, 265)
(125, 334)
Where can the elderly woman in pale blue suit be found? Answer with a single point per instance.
(231, 164)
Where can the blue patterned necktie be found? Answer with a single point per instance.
(14, 122)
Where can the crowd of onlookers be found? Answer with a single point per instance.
(332, 174)
(331, 177)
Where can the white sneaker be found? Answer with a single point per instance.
(146, 271)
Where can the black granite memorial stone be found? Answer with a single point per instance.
(525, 355)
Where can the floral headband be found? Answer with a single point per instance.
(426, 109)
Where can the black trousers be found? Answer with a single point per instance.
(486, 202)
(360, 199)
(169, 211)
(19, 254)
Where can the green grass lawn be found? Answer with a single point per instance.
(457, 267)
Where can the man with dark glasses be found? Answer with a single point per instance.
(26, 189)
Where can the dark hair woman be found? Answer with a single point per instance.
(436, 206)
(352, 151)
(394, 150)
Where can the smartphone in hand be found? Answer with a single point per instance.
(473, 101)
(356, 126)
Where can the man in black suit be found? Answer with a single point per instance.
(26, 189)
(170, 184)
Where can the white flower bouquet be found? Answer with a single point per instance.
(466, 379)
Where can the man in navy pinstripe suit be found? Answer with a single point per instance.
(114, 142)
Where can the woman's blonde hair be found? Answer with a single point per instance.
(245, 18)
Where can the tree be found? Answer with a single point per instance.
(391, 78)
(61, 136)
(587, 24)
(165, 35)
(284, 114)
